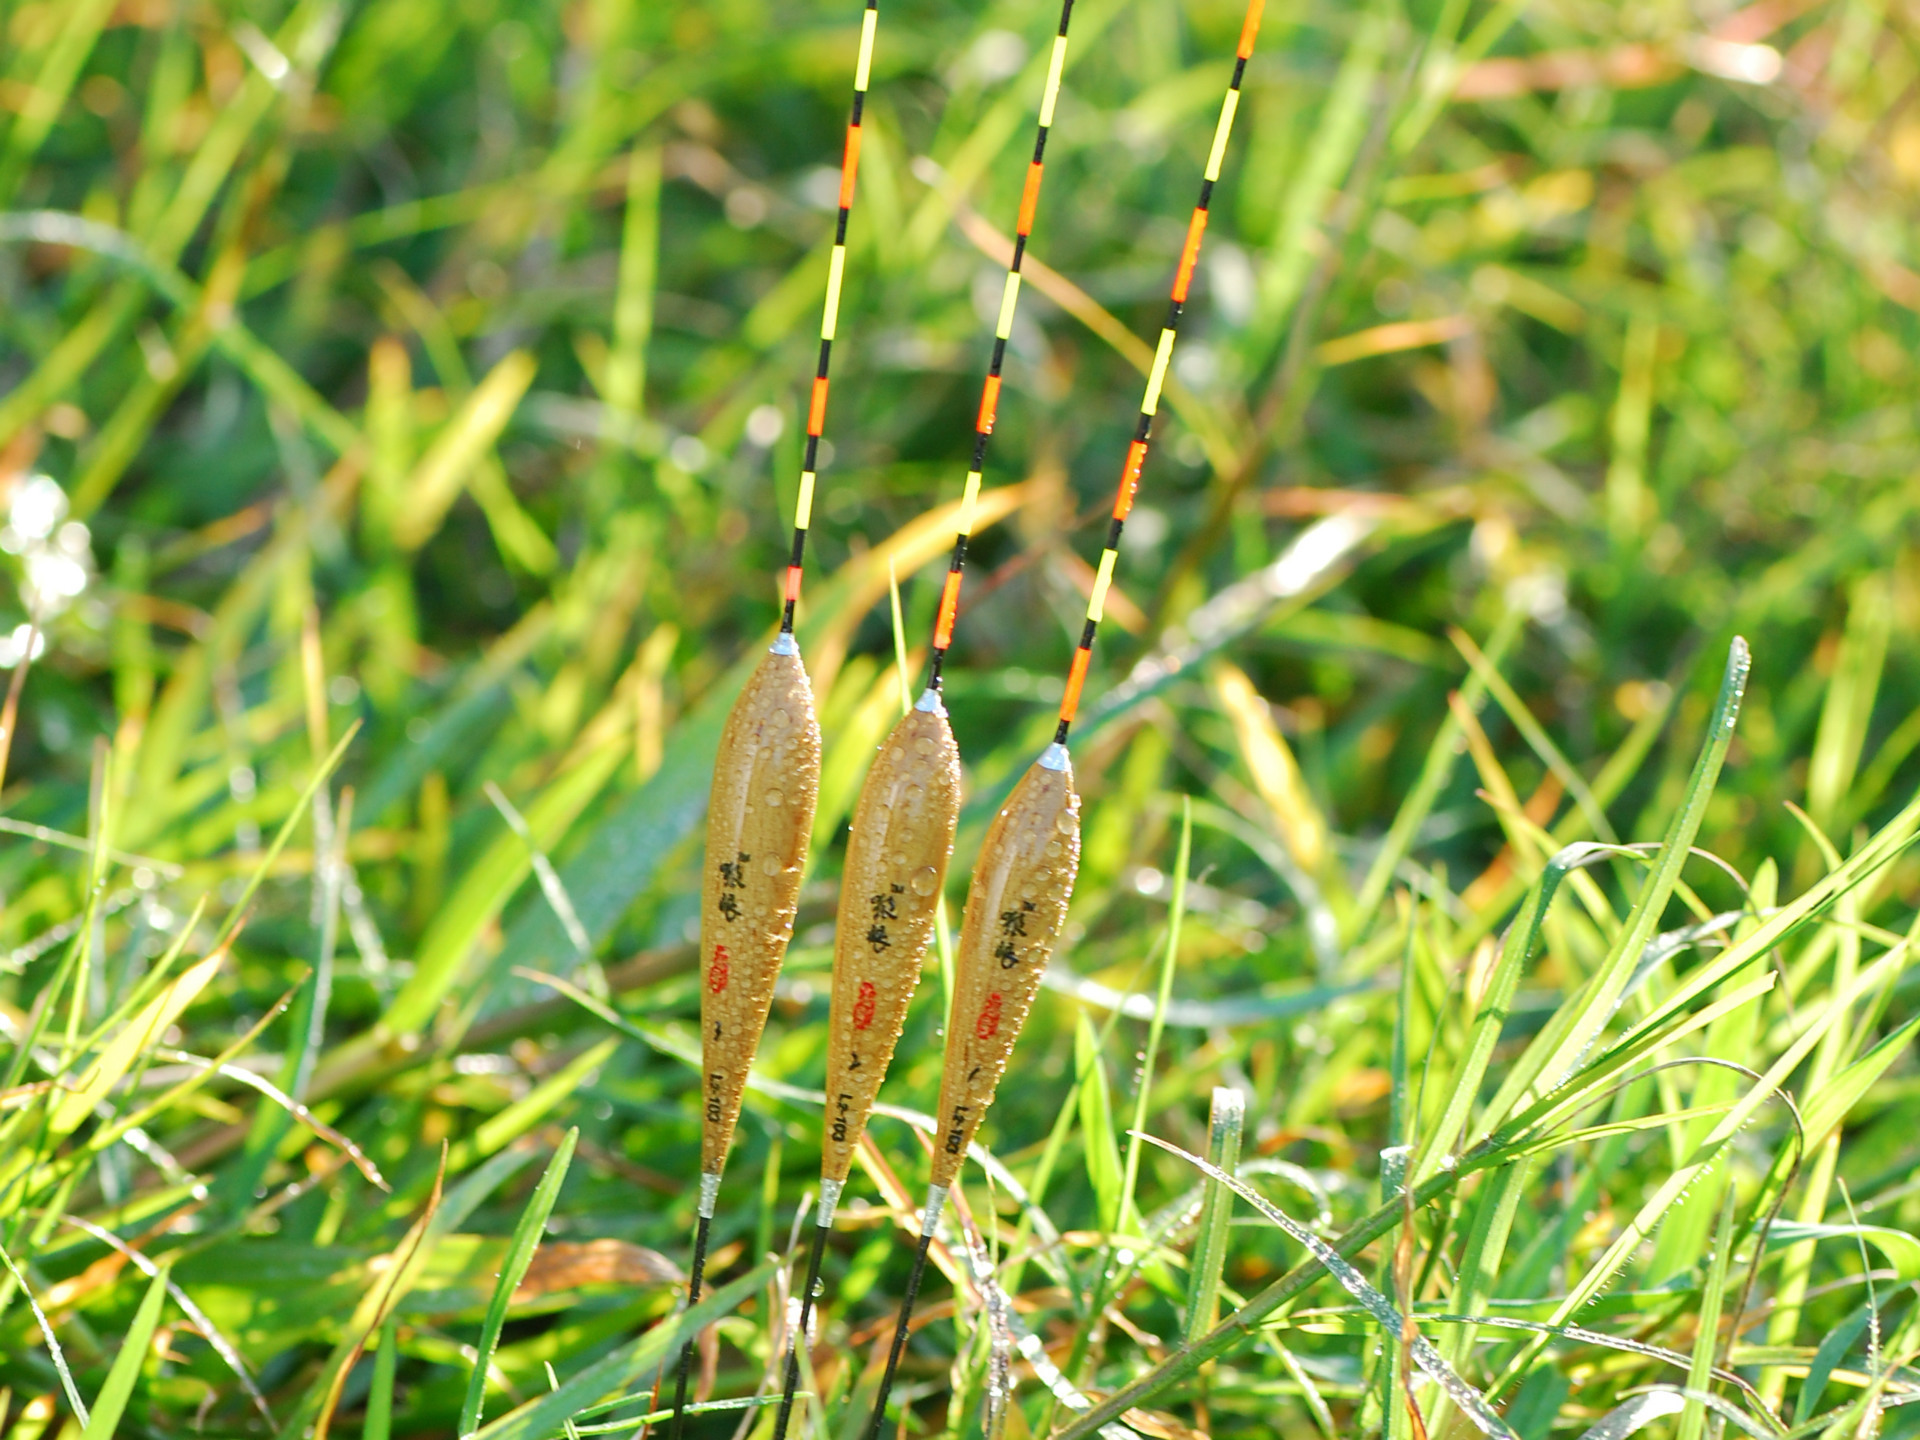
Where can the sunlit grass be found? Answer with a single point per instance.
(438, 369)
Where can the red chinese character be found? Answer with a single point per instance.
(989, 1021)
(717, 972)
(863, 1007)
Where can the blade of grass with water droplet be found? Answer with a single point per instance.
(1224, 1128)
(1377, 1305)
(1578, 1023)
(526, 1239)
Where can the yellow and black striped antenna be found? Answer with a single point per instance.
(1002, 333)
(766, 781)
(829, 316)
(1156, 378)
(1023, 879)
(901, 838)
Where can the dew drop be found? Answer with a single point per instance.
(770, 866)
(915, 794)
(923, 746)
(924, 881)
(1064, 822)
(775, 797)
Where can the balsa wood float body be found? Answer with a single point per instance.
(898, 849)
(759, 819)
(897, 854)
(1016, 909)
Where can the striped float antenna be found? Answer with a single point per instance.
(829, 317)
(1002, 332)
(1156, 378)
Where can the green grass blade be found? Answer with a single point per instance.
(1706, 1341)
(111, 1403)
(526, 1239)
(386, 1355)
(1833, 1349)
(1552, 1056)
(1101, 1148)
(51, 84)
(538, 1419)
(1434, 774)
(1176, 913)
(492, 881)
(1210, 1244)
(1535, 735)
(521, 1116)
(1377, 1305)
(1491, 1018)
(237, 913)
(1842, 732)
(54, 1352)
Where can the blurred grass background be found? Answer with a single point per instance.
(438, 368)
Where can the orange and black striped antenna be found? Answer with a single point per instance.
(829, 318)
(1017, 902)
(1156, 379)
(1002, 333)
(901, 838)
(766, 781)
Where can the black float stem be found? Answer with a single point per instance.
(695, 1275)
(800, 1335)
(900, 1334)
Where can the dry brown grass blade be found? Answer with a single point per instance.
(897, 854)
(759, 819)
(570, 1264)
(1016, 907)
(380, 1302)
(10, 711)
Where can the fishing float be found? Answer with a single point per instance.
(1017, 903)
(766, 780)
(901, 837)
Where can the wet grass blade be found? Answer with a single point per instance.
(1127, 1215)
(111, 1403)
(631, 1362)
(1377, 1305)
(1210, 1244)
(526, 1239)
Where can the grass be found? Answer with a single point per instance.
(420, 386)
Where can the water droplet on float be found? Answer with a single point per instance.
(923, 746)
(770, 866)
(915, 794)
(1064, 822)
(924, 881)
(775, 797)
